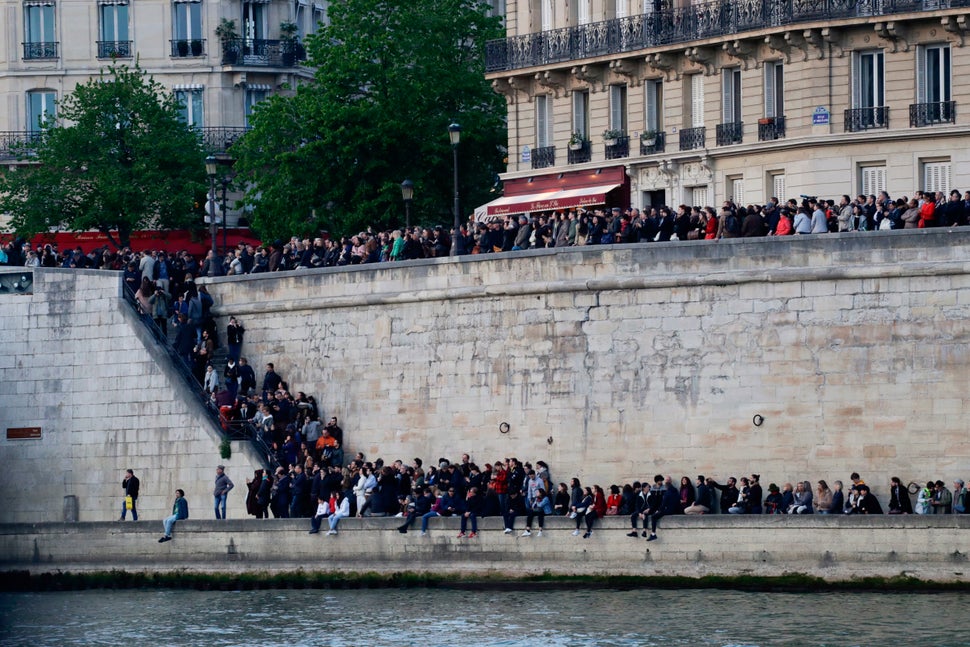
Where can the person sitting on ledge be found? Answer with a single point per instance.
(446, 506)
(867, 503)
(341, 510)
(702, 505)
(180, 510)
(540, 508)
(473, 510)
(420, 506)
(773, 503)
(323, 511)
(802, 503)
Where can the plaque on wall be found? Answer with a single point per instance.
(23, 433)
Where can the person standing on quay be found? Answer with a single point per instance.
(180, 510)
(234, 338)
(221, 491)
(130, 486)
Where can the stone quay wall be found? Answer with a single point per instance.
(836, 548)
(77, 362)
(618, 362)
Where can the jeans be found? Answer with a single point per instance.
(220, 500)
(234, 351)
(464, 522)
(134, 510)
(169, 524)
(316, 521)
(424, 520)
(535, 513)
(335, 520)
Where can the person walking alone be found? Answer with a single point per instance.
(130, 485)
(221, 491)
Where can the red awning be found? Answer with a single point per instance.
(549, 200)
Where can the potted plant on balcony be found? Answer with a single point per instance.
(229, 37)
(182, 46)
(288, 43)
(576, 141)
(611, 136)
(197, 47)
(648, 138)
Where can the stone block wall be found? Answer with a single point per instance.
(615, 363)
(78, 363)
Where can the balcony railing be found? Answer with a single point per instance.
(857, 119)
(15, 144)
(262, 53)
(656, 146)
(544, 156)
(771, 128)
(619, 148)
(114, 49)
(40, 51)
(670, 26)
(219, 139)
(188, 48)
(928, 114)
(579, 154)
(730, 133)
(691, 138)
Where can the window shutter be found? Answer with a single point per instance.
(542, 124)
(653, 94)
(579, 112)
(621, 8)
(546, 14)
(770, 90)
(921, 74)
(698, 196)
(617, 109)
(697, 100)
(727, 95)
(936, 176)
(856, 79)
(778, 187)
(737, 190)
(873, 179)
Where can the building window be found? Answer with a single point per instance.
(777, 183)
(698, 196)
(735, 185)
(872, 179)
(319, 16)
(190, 102)
(696, 114)
(654, 99)
(254, 94)
(543, 121)
(622, 8)
(731, 94)
(774, 89)
(584, 14)
(187, 29)
(40, 109)
(39, 39)
(546, 17)
(581, 113)
(934, 103)
(618, 108)
(253, 21)
(936, 176)
(868, 93)
(115, 41)
(300, 20)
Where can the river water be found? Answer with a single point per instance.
(424, 617)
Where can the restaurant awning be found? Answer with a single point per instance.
(548, 200)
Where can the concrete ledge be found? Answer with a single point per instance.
(833, 548)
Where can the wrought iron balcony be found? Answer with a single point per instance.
(857, 119)
(681, 25)
(544, 156)
(219, 139)
(114, 49)
(730, 133)
(619, 148)
(928, 114)
(262, 53)
(16, 144)
(771, 128)
(691, 138)
(40, 51)
(188, 48)
(579, 154)
(656, 146)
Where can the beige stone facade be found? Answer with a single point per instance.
(750, 98)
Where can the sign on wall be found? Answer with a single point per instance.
(23, 433)
(820, 116)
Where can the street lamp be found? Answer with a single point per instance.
(407, 192)
(454, 133)
(225, 181)
(211, 168)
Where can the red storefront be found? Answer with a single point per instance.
(176, 240)
(597, 188)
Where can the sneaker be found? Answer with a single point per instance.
(644, 534)
(652, 538)
(576, 532)
(164, 539)
(572, 515)
(472, 535)
(587, 534)
(313, 532)
(331, 532)
(461, 535)
(539, 534)
(403, 530)
(508, 531)
(423, 534)
(632, 534)
(399, 515)
(526, 533)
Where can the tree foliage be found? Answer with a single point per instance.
(117, 158)
(390, 75)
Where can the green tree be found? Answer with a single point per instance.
(390, 75)
(117, 158)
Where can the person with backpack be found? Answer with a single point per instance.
(730, 224)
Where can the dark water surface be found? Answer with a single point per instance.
(427, 617)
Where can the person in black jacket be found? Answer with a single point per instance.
(899, 502)
(280, 498)
(263, 495)
(299, 488)
(669, 505)
(729, 493)
(420, 506)
(868, 504)
(472, 511)
(130, 485)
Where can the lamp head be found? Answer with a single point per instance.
(454, 133)
(211, 166)
(407, 190)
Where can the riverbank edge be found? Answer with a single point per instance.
(19, 581)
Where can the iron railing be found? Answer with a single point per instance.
(619, 149)
(659, 142)
(114, 49)
(544, 156)
(192, 48)
(581, 154)
(770, 128)
(40, 51)
(730, 133)
(692, 138)
(857, 119)
(219, 139)
(668, 25)
(17, 144)
(238, 430)
(262, 53)
(928, 114)
(215, 139)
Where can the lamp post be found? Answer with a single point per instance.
(407, 192)
(454, 133)
(211, 167)
(226, 181)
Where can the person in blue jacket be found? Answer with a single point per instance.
(669, 504)
(180, 510)
(541, 506)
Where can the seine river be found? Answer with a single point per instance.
(424, 617)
